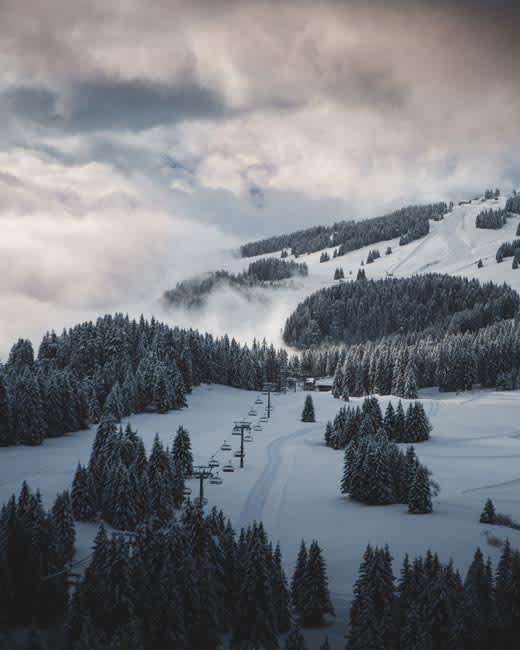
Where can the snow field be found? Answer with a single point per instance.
(291, 480)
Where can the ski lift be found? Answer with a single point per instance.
(216, 479)
(236, 430)
(258, 427)
(199, 502)
(225, 446)
(259, 400)
(264, 418)
(252, 412)
(238, 453)
(187, 492)
(213, 462)
(228, 467)
(248, 438)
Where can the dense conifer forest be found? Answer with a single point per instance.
(193, 293)
(434, 304)
(408, 223)
(491, 219)
(118, 366)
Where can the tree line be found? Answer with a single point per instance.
(408, 223)
(193, 293)
(119, 366)
(354, 312)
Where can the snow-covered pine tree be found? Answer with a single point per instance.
(488, 515)
(314, 597)
(419, 496)
(298, 578)
(63, 523)
(82, 498)
(182, 454)
(399, 423)
(389, 421)
(410, 381)
(308, 414)
(281, 593)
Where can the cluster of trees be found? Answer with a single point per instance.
(513, 204)
(325, 257)
(409, 223)
(193, 293)
(491, 219)
(182, 582)
(119, 366)
(373, 254)
(490, 516)
(352, 423)
(377, 472)
(35, 547)
(508, 249)
(491, 194)
(354, 312)
(432, 606)
(508, 380)
(126, 488)
(183, 585)
(339, 274)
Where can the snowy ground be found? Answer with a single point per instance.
(291, 480)
(453, 246)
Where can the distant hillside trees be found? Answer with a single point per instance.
(491, 219)
(193, 293)
(354, 312)
(117, 366)
(339, 274)
(373, 255)
(513, 204)
(408, 223)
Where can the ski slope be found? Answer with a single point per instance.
(291, 480)
(453, 245)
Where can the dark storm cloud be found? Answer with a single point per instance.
(101, 104)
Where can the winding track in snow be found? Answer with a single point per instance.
(255, 503)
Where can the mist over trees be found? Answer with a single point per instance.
(434, 304)
(408, 223)
(193, 293)
(117, 366)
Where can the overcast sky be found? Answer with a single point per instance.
(140, 140)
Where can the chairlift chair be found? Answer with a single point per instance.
(198, 501)
(225, 446)
(213, 462)
(258, 427)
(216, 479)
(259, 400)
(252, 412)
(238, 453)
(248, 438)
(236, 430)
(228, 467)
(187, 491)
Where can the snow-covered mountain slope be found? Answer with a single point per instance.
(291, 480)
(453, 245)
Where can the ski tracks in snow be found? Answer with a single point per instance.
(255, 503)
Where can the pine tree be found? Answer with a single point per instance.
(308, 410)
(281, 593)
(329, 434)
(488, 515)
(298, 578)
(419, 497)
(63, 523)
(410, 381)
(82, 497)
(182, 454)
(389, 421)
(399, 423)
(314, 598)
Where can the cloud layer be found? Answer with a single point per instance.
(140, 139)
